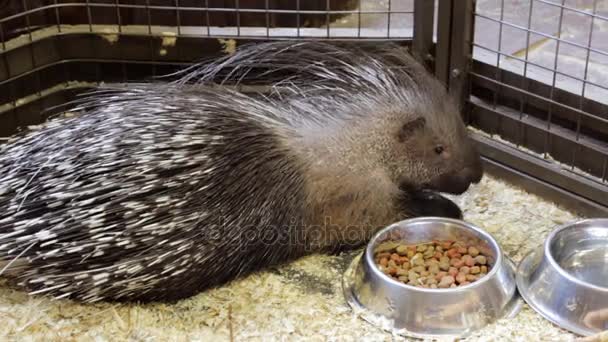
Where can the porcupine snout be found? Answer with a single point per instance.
(458, 182)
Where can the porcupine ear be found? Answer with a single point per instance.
(408, 128)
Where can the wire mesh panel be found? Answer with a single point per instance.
(233, 18)
(539, 83)
(52, 49)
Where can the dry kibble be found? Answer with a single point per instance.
(440, 275)
(461, 278)
(446, 281)
(458, 263)
(434, 268)
(384, 262)
(401, 250)
(435, 264)
(401, 272)
(451, 252)
(418, 260)
(418, 269)
(387, 246)
(471, 277)
(430, 262)
(484, 250)
(480, 259)
(468, 260)
(383, 255)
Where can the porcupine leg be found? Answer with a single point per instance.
(430, 203)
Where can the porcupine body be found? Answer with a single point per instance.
(157, 192)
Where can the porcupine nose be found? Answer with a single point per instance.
(459, 182)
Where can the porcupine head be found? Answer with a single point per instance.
(385, 138)
(142, 196)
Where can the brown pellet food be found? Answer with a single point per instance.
(434, 264)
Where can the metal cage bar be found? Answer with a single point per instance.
(276, 16)
(532, 122)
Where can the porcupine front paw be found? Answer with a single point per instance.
(430, 203)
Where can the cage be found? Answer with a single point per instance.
(530, 73)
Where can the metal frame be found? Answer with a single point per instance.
(454, 49)
(212, 14)
(422, 45)
(91, 55)
(535, 119)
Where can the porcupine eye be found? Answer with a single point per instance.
(439, 149)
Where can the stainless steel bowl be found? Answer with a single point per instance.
(566, 279)
(431, 313)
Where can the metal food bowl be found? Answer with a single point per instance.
(432, 313)
(566, 279)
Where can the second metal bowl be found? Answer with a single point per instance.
(431, 313)
(566, 280)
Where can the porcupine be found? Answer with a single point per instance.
(159, 191)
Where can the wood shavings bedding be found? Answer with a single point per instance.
(300, 300)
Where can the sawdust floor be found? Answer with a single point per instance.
(301, 300)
